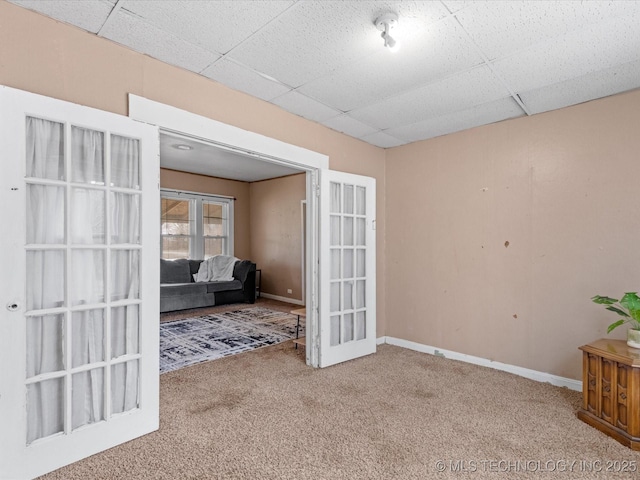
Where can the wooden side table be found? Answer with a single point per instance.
(300, 312)
(611, 390)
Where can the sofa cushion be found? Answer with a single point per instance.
(194, 266)
(213, 287)
(174, 289)
(242, 268)
(174, 271)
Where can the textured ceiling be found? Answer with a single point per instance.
(462, 63)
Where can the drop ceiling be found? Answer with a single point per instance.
(462, 63)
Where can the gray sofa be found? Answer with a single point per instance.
(178, 290)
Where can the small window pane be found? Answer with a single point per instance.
(45, 149)
(125, 218)
(361, 200)
(348, 263)
(175, 247)
(348, 230)
(125, 330)
(361, 231)
(49, 395)
(336, 202)
(45, 344)
(87, 337)
(348, 295)
(335, 263)
(125, 162)
(41, 265)
(125, 274)
(348, 199)
(87, 216)
(87, 156)
(361, 325)
(335, 230)
(213, 246)
(87, 277)
(87, 397)
(45, 214)
(360, 262)
(334, 332)
(213, 219)
(124, 387)
(176, 217)
(360, 294)
(335, 297)
(348, 327)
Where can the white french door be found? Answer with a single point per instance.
(347, 267)
(79, 214)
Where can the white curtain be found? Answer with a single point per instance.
(47, 218)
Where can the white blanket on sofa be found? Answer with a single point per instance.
(216, 268)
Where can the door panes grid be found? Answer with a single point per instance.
(348, 250)
(83, 276)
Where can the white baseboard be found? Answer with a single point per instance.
(521, 371)
(295, 301)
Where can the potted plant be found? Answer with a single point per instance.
(628, 307)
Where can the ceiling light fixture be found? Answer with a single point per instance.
(182, 146)
(385, 23)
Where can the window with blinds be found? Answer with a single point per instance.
(195, 225)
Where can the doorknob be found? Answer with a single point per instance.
(12, 307)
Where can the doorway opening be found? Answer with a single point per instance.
(174, 121)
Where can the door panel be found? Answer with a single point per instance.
(78, 324)
(347, 267)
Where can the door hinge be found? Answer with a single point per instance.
(317, 190)
(373, 224)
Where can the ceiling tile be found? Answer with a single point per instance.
(453, 122)
(576, 53)
(244, 79)
(216, 26)
(430, 53)
(350, 126)
(451, 94)
(383, 140)
(306, 107)
(134, 33)
(457, 5)
(89, 14)
(500, 28)
(584, 88)
(311, 39)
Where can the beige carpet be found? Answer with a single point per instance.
(392, 415)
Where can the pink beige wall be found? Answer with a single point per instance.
(498, 236)
(218, 186)
(43, 56)
(276, 234)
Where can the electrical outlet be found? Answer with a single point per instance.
(289, 291)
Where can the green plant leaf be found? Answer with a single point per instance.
(599, 299)
(611, 308)
(631, 302)
(615, 325)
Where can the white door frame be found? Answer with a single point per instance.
(175, 120)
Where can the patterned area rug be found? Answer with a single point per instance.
(207, 337)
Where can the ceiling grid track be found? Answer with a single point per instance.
(487, 62)
(111, 17)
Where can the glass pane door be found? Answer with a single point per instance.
(80, 328)
(82, 250)
(348, 245)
